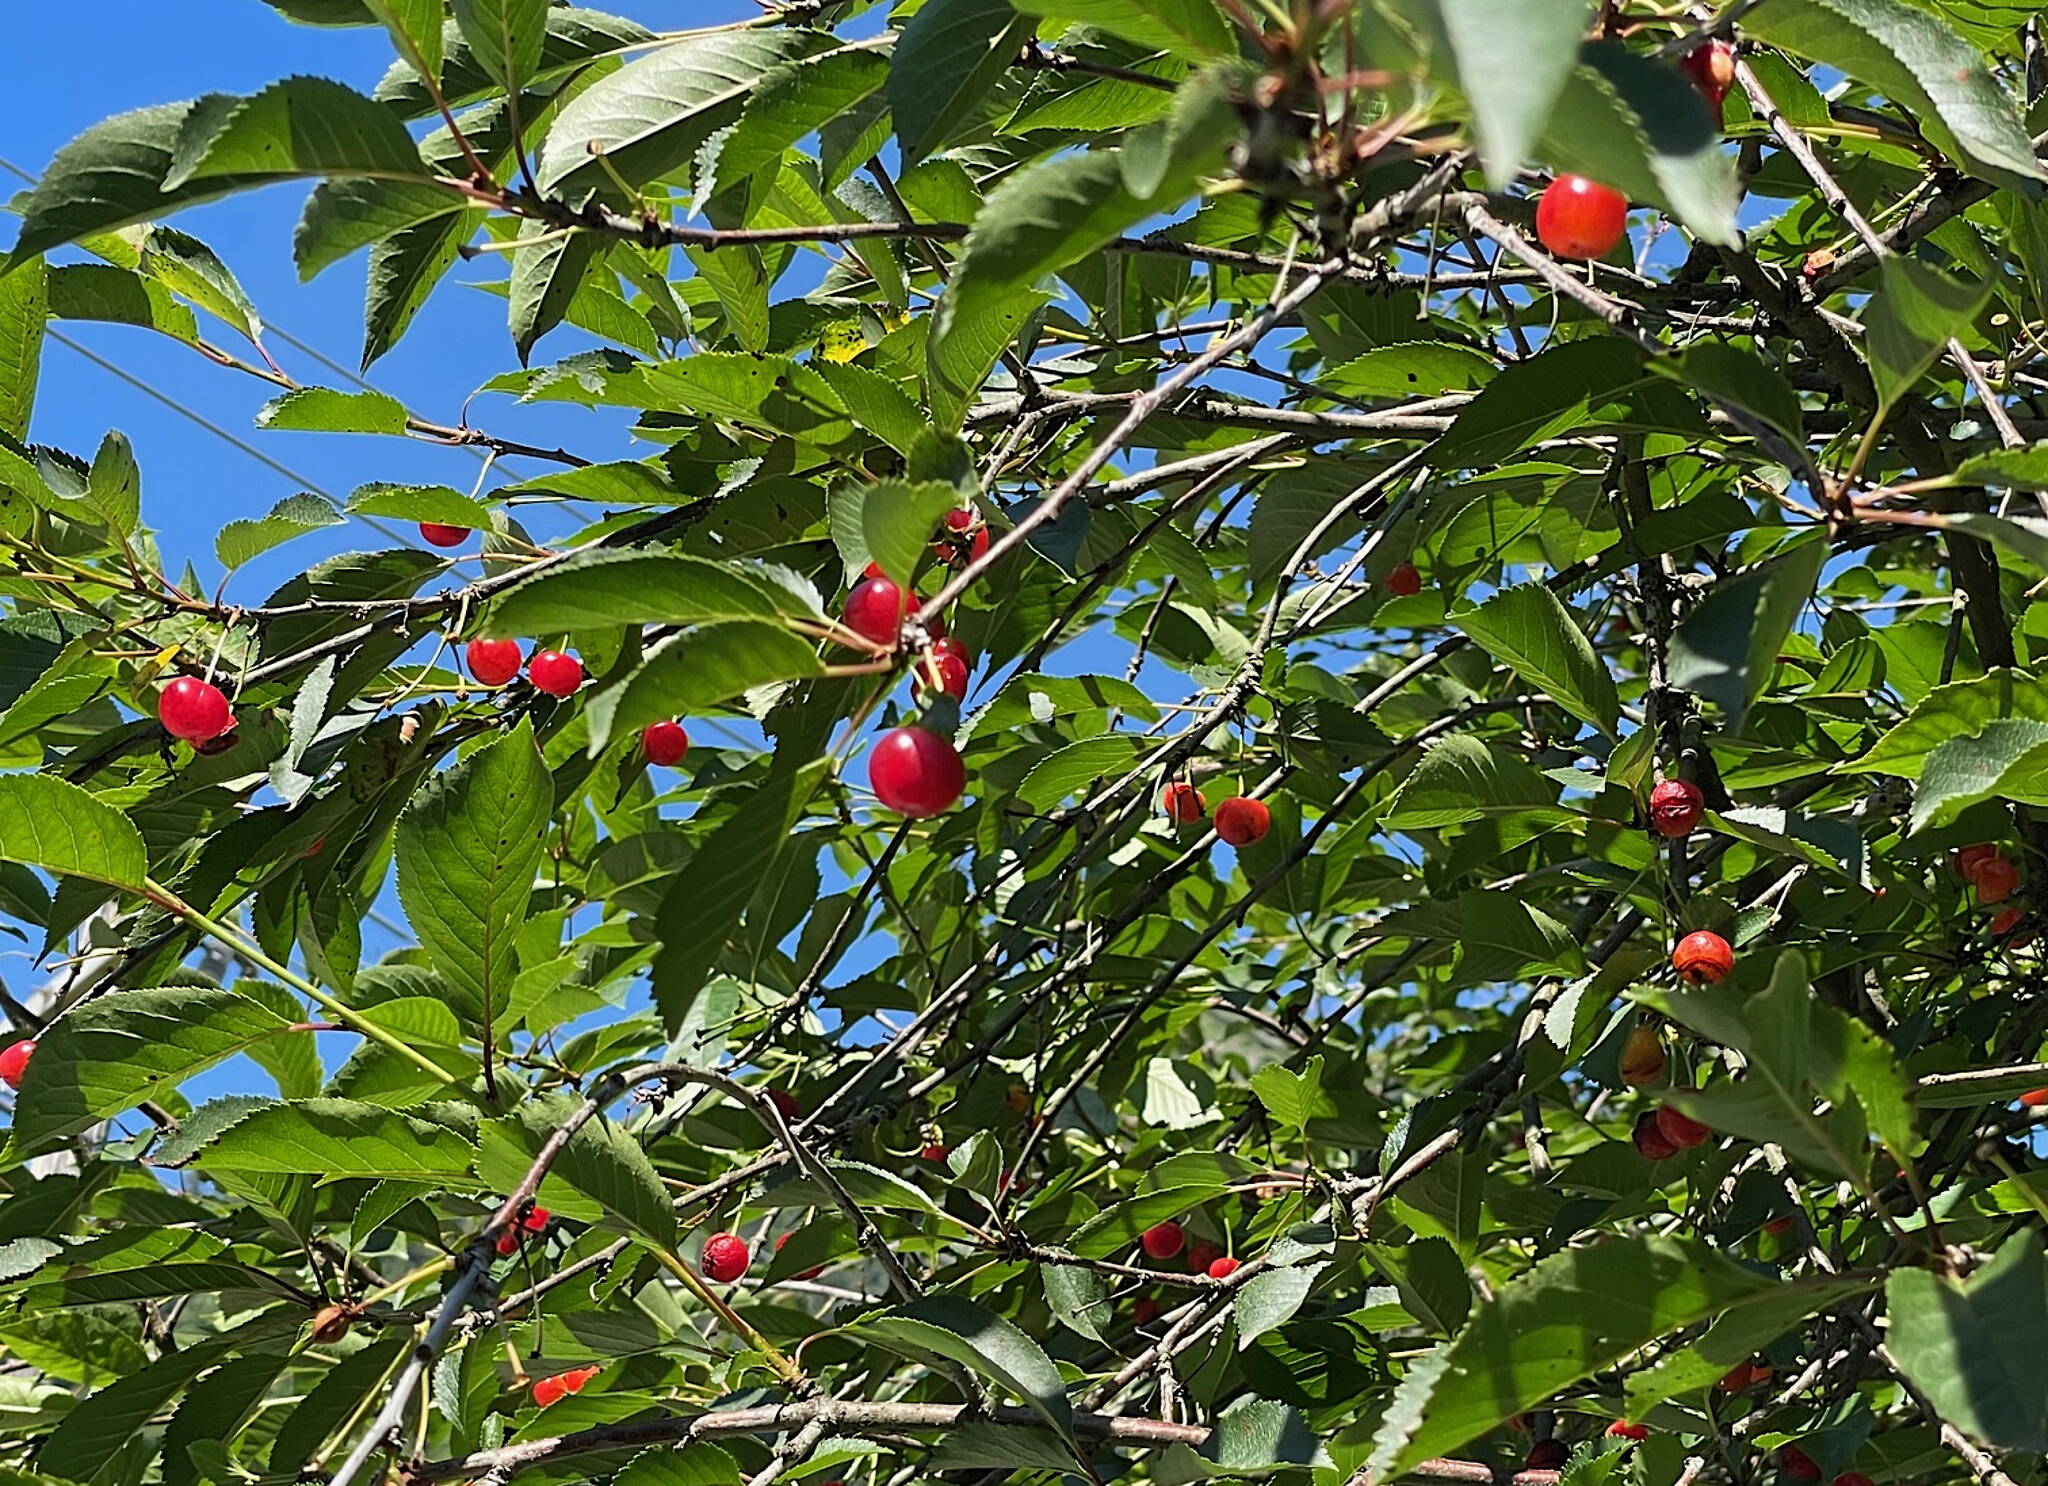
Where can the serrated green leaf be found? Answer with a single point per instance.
(1528, 628)
(324, 410)
(55, 825)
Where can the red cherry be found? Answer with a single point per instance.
(576, 1377)
(1241, 820)
(1778, 1227)
(803, 1274)
(873, 570)
(14, 1061)
(1223, 1268)
(785, 1101)
(555, 673)
(1736, 1378)
(725, 1257)
(957, 520)
(1578, 218)
(944, 645)
(1547, 1455)
(664, 743)
(1680, 1129)
(915, 772)
(492, 662)
(1144, 1311)
(194, 710)
(1629, 1431)
(1675, 807)
(1710, 67)
(934, 1153)
(1642, 1057)
(1163, 1240)
(952, 675)
(1797, 1464)
(2033, 1098)
(1182, 802)
(1201, 1254)
(1702, 958)
(875, 610)
(537, 1219)
(1853, 1478)
(977, 545)
(1404, 581)
(1970, 858)
(1649, 1139)
(1995, 880)
(437, 535)
(508, 1244)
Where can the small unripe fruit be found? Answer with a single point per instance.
(1629, 1431)
(548, 1392)
(1240, 820)
(724, 1258)
(555, 673)
(1702, 958)
(1182, 802)
(492, 662)
(1222, 1268)
(1547, 1455)
(1163, 1240)
(1578, 218)
(1144, 1311)
(1649, 1138)
(434, 534)
(1404, 581)
(331, 1323)
(14, 1061)
(1675, 807)
(1797, 1464)
(1642, 1060)
(875, 610)
(194, 710)
(1680, 1129)
(664, 743)
(1995, 880)
(1017, 1097)
(916, 773)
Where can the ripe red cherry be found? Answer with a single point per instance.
(1240, 821)
(1681, 1130)
(1995, 880)
(1222, 1268)
(1163, 1240)
(2033, 1098)
(434, 534)
(1144, 1311)
(1182, 802)
(536, 1219)
(1736, 1378)
(944, 645)
(934, 1153)
(1649, 1138)
(1201, 1254)
(804, 1274)
(1970, 858)
(785, 1101)
(508, 1244)
(1404, 581)
(1629, 1431)
(1578, 218)
(1853, 1478)
(875, 610)
(1642, 1059)
(1710, 67)
(492, 662)
(14, 1061)
(664, 743)
(1797, 1464)
(915, 772)
(952, 675)
(1702, 958)
(725, 1257)
(548, 1391)
(1675, 807)
(194, 710)
(555, 673)
(1547, 1455)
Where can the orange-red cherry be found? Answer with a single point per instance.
(1702, 958)
(725, 1257)
(1580, 218)
(1182, 802)
(14, 1061)
(1241, 820)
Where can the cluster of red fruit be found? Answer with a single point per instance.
(553, 1390)
(1580, 218)
(495, 662)
(1166, 1240)
(14, 1061)
(1995, 878)
(1240, 820)
(536, 1221)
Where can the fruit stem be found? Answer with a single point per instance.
(347, 1016)
(792, 1376)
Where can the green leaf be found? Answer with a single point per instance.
(1511, 59)
(598, 589)
(119, 296)
(1569, 1316)
(189, 267)
(2012, 469)
(55, 825)
(1734, 1338)
(738, 276)
(897, 523)
(1600, 382)
(505, 36)
(295, 515)
(1727, 648)
(1739, 378)
(1412, 369)
(1270, 1298)
(435, 503)
(963, 1332)
(1460, 779)
(877, 404)
(113, 486)
(1961, 709)
(119, 1049)
(24, 312)
(1973, 1345)
(2008, 760)
(337, 1138)
(1077, 769)
(653, 115)
(468, 846)
(96, 1429)
(577, 39)
(792, 102)
(1194, 29)
(323, 410)
(403, 271)
(946, 64)
(301, 126)
(1909, 54)
(547, 271)
(1911, 317)
(1528, 628)
(602, 1174)
(698, 670)
(415, 29)
(335, 1398)
(1078, 1299)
